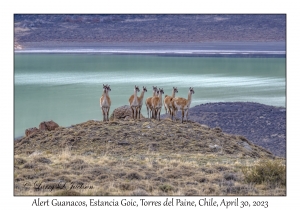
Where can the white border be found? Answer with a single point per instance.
(9, 8)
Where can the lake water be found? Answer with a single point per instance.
(66, 87)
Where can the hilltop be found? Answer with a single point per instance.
(148, 28)
(121, 137)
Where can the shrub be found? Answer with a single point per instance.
(67, 193)
(43, 160)
(230, 176)
(125, 186)
(191, 192)
(166, 188)
(134, 175)
(19, 161)
(266, 171)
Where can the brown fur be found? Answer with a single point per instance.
(157, 103)
(134, 104)
(182, 104)
(168, 101)
(105, 102)
(149, 104)
(140, 101)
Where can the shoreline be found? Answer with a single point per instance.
(188, 49)
(226, 54)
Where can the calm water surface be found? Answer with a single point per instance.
(66, 87)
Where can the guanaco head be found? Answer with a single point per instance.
(144, 89)
(108, 87)
(191, 90)
(155, 91)
(161, 91)
(175, 89)
(104, 88)
(136, 88)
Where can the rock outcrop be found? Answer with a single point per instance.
(48, 125)
(44, 126)
(30, 131)
(122, 113)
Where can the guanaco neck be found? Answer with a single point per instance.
(105, 96)
(142, 94)
(135, 101)
(160, 96)
(173, 93)
(105, 93)
(154, 92)
(189, 97)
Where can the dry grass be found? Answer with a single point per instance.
(125, 158)
(151, 174)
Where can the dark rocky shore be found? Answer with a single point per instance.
(261, 124)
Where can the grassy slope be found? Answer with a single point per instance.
(138, 158)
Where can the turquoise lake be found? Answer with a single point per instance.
(66, 87)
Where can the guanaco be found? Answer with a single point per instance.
(182, 104)
(105, 102)
(156, 102)
(134, 103)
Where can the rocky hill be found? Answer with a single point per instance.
(142, 157)
(261, 124)
(148, 28)
(126, 137)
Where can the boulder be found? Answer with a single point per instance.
(48, 125)
(122, 113)
(30, 131)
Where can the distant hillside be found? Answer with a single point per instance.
(148, 28)
(261, 124)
